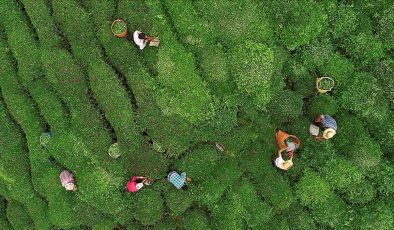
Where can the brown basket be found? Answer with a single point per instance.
(122, 35)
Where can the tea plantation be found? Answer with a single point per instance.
(226, 71)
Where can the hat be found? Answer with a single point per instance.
(329, 133)
(139, 186)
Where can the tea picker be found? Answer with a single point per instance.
(178, 180)
(324, 127)
(137, 182)
(141, 39)
(288, 143)
(67, 180)
(324, 84)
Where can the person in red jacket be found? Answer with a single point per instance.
(137, 182)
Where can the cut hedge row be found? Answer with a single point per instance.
(27, 55)
(15, 172)
(106, 86)
(3, 218)
(66, 77)
(18, 216)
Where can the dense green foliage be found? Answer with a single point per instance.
(229, 72)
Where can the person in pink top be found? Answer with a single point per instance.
(137, 182)
(68, 180)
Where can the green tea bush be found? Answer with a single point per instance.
(322, 104)
(341, 174)
(343, 21)
(228, 215)
(332, 213)
(361, 193)
(365, 48)
(357, 97)
(312, 190)
(182, 92)
(316, 54)
(300, 79)
(214, 186)
(190, 27)
(195, 219)
(376, 216)
(27, 55)
(361, 149)
(18, 216)
(300, 22)
(148, 207)
(382, 178)
(102, 78)
(3, 218)
(200, 162)
(252, 65)
(285, 106)
(386, 28)
(224, 18)
(177, 200)
(382, 73)
(275, 190)
(299, 218)
(256, 211)
(339, 69)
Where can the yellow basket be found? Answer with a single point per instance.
(320, 90)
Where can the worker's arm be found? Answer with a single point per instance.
(279, 153)
(318, 138)
(319, 119)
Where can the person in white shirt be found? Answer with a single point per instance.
(141, 39)
(282, 164)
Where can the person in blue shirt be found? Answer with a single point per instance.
(329, 126)
(178, 180)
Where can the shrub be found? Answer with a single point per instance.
(199, 163)
(228, 215)
(343, 21)
(382, 178)
(148, 207)
(177, 201)
(322, 104)
(361, 193)
(18, 216)
(256, 211)
(223, 17)
(386, 28)
(213, 187)
(195, 219)
(274, 189)
(316, 54)
(300, 219)
(193, 31)
(365, 48)
(339, 69)
(332, 213)
(301, 22)
(382, 73)
(357, 97)
(253, 68)
(341, 174)
(285, 106)
(3, 218)
(312, 190)
(182, 92)
(301, 80)
(375, 216)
